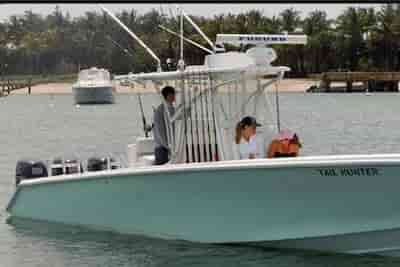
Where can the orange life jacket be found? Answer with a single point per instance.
(283, 148)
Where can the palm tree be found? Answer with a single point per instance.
(350, 27)
(319, 47)
(290, 20)
(386, 34)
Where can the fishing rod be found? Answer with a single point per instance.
(278, 120)
(146, 128)
(277, 109)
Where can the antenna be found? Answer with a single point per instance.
(134, 36)
(186, 39)
(197, 28)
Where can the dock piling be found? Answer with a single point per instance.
(29, 85)
(349, 86)
(8, 86)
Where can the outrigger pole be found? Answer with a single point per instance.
(125, 50)
(186, 39)
(197, 28)
(134, 36)
(182, 62)
(146, 128)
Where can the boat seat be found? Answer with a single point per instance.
(146, 160)
(142, 152)
(144, 146)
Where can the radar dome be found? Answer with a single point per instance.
(262, 55)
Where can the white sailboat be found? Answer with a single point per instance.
(343, 203)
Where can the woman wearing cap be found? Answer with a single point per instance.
(286, 144)
(246, 138)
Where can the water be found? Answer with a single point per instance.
(42, 127)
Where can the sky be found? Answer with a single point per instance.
(198, 9)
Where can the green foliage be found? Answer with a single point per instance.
(358, 39)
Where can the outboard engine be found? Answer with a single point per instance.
(96, 164)
(72, 166)
(29, 169)
(57, 167)
(114, 164)
(101, 164)
(69, 166)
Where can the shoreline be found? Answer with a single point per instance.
(286, 85)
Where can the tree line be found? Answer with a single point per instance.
(359, 39)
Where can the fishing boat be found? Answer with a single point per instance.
(94, 86)
(340, 203)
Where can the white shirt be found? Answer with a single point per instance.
(247, 148)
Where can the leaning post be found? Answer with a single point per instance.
(29, 85)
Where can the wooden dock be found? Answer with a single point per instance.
(7, 86)
(371, 81)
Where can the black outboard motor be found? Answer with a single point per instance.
(72, 166)
(29, 169)
(69, 166)
(114, 164)
(96, 164)
(101, 164)
(57, 167)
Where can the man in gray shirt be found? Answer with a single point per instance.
(160, 130)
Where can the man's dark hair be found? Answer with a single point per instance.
(167, 90)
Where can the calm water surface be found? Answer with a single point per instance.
(45, 126)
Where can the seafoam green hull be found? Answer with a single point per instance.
(237, 201)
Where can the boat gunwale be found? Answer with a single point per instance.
(302, 162)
